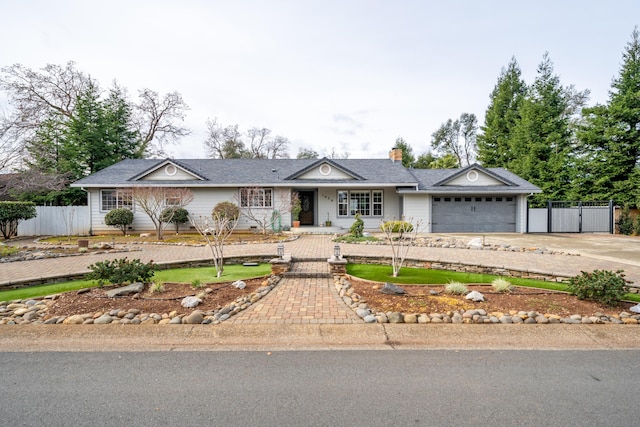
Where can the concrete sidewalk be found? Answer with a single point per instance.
(230, 337)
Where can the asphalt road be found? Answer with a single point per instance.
(321, 388)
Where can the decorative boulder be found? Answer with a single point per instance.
(635, 308)
(239, 284)
(190, 302)
(391, 289)
(133, 288)
(475, 243)
(475, 296)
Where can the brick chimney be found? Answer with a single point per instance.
(395, 155)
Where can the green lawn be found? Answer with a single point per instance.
(203, 274)
(422, 276)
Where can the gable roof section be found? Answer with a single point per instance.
(435, 180)
(460, 172)
(166, 162)
(318, 164)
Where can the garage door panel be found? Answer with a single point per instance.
(473, 214)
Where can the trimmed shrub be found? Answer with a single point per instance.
(456, 288)
(397, 226)
(603, 286)
(122, 271)
(226, 210)
(357, 228)
(11, 213)
(175, 216)
(119, 218)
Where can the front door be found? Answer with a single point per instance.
(307, 214)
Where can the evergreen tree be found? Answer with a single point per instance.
(407, 152)
(424, 161)
(494, 141)
(121, 139)
(541, 144)
(610, 136)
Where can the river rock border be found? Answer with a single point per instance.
(477, 316)
(23, 312)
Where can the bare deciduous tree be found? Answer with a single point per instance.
(154, 200)
(156, 120)
(254, 205)
(229, 142)
(11, 148)
(401, 235)
(32, 180)
(35, 97)
(223, 142)
(35, 94)
(215, 230)
(334, 154)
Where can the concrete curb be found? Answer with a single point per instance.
(105, 338)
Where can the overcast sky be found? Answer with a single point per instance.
(352, 75)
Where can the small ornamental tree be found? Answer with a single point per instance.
(119, 218)
(406, 234)
(357, 228)
(217, 229)
(175, 216)
(11, 213)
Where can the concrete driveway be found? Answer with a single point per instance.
(616, 248)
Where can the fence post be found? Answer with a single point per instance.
(612, 214)
(549, 221)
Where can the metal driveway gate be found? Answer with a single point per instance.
(580, 217)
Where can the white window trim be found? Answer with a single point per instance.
(371, 203)
(250, 206)
(118, 200)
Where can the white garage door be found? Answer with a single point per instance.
(473, 214)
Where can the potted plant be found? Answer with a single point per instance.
(327, 223)
(296, 208)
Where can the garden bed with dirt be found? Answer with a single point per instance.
(95, 300)
(419, 299)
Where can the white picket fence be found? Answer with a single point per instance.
(57, 221)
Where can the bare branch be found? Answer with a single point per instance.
(154, 200)
(400, 235)
(156, 120)
(215, 230)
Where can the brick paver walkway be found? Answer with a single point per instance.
(300, 300)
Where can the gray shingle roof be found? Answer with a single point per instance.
(248, 172)
(286, 172)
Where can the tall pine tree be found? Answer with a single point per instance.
(494, 140)
(541, 143)
(610, 137)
